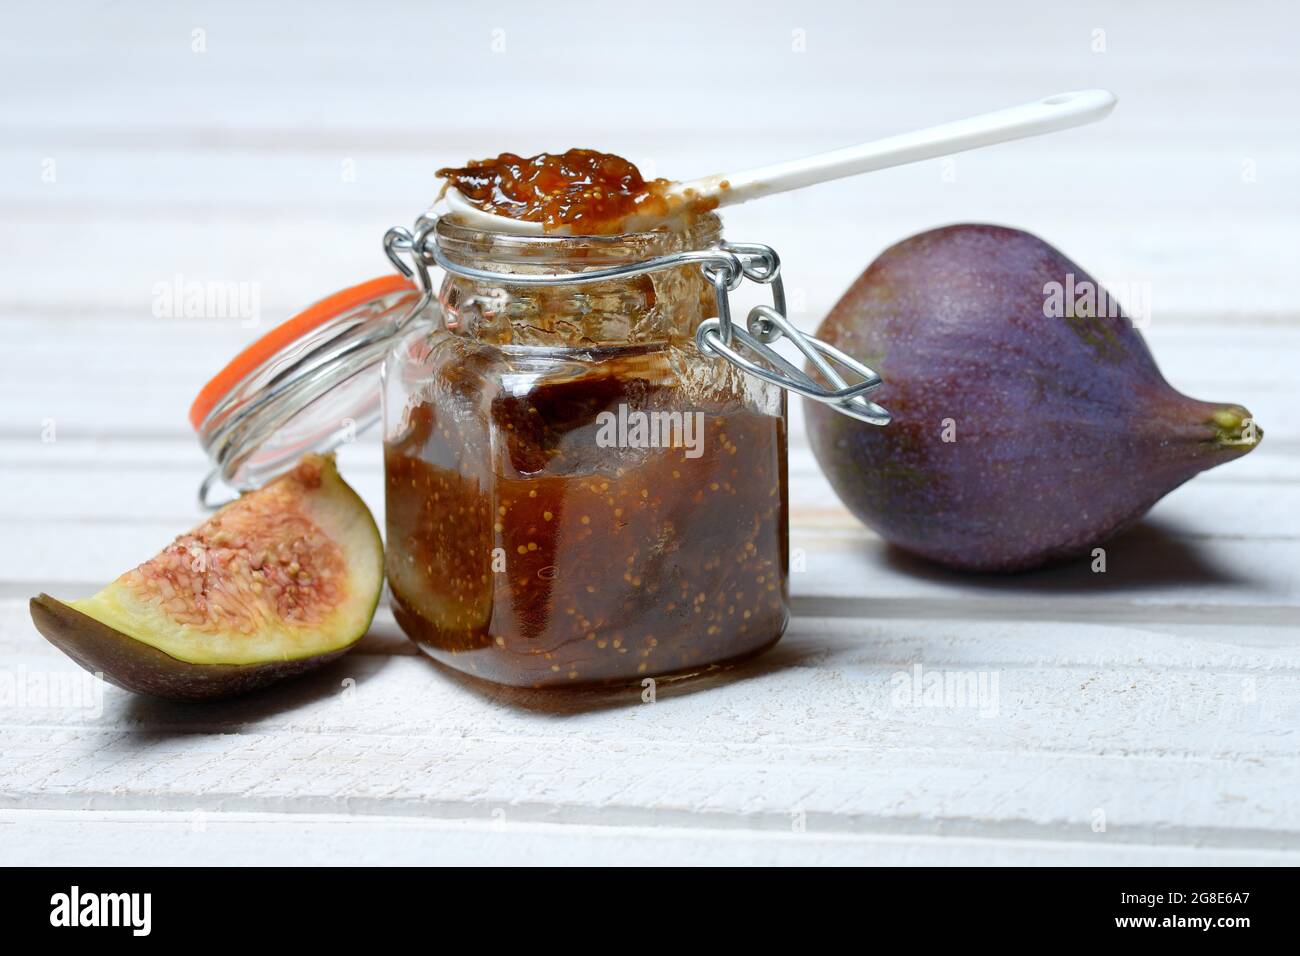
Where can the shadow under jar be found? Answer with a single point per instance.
(575, 494)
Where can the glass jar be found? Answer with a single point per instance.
(575, 494)
(585, 454)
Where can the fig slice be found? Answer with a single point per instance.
(276, 583)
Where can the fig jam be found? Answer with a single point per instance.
(575, 494)
(582, 190)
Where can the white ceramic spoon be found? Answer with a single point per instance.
(1061, 111)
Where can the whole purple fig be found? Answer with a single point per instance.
(1030, 422)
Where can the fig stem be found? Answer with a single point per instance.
(1234, 427)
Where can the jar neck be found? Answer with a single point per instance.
(664, 306)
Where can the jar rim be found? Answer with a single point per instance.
(468, 244)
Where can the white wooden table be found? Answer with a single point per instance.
(1147, 715)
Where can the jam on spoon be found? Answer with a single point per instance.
(581, 191)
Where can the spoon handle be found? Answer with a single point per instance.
(1029, 119)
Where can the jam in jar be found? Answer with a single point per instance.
(575, 493)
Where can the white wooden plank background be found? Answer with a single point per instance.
(1162, 697)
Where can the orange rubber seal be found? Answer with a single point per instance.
(286, 333)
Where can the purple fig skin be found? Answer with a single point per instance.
(1063, 430)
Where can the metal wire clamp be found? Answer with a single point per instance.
(725, 266)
